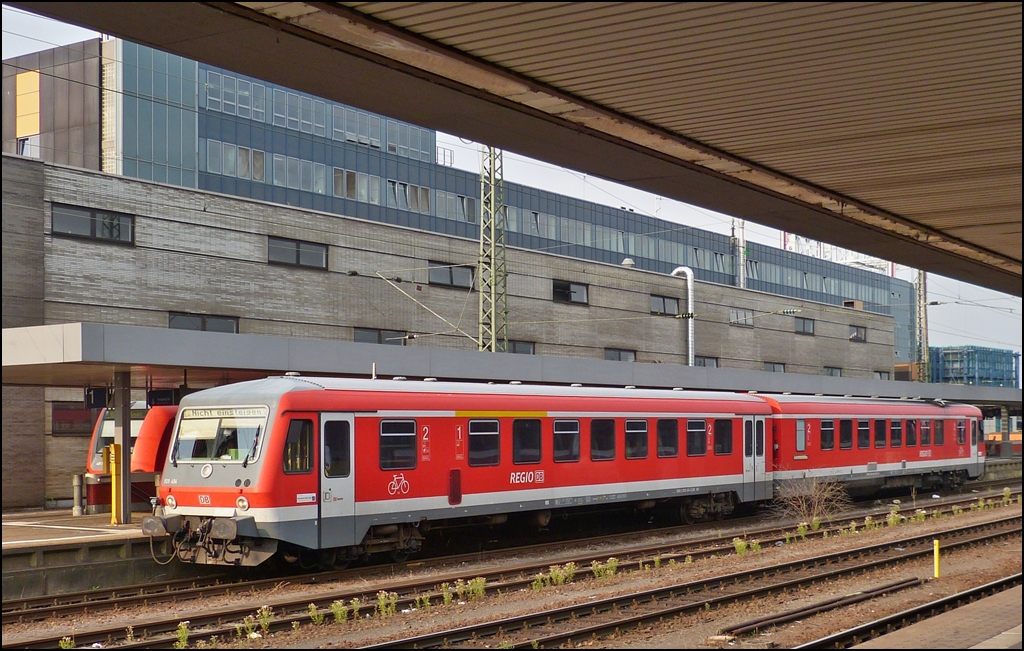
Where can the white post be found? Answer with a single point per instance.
(688, 273)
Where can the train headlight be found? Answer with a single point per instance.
(171, 502)
(242, 503)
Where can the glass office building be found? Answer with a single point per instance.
(173, 120)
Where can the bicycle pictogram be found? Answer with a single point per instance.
(398, 484)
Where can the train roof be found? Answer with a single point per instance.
(789, 402)
(270, 389)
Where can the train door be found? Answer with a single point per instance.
(337, 480)
(762, 487)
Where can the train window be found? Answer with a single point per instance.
(723, 436)
(337, 458)
(484, 443)
(895, 433)
(911, 432)
(526, 440)
(863, 434)
(961, 432)
(801, 436)
(298, 447)
(940, 432)
(748, 438)
(602, 439)
(636, 439)
(397, 444)
(845, 434)
(926, 432)
(879, 433)
(567, 440)
(974, 432)
(759, 439)
(668, 437)
(828, 435)
(696, 441)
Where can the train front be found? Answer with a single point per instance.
(211, 501)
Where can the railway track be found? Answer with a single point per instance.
(409, 593)
(38, 608)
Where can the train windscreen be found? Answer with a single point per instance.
(229, 434)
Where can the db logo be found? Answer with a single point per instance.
(204, 499)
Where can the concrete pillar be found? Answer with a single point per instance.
(123, 436)
(1005, 449)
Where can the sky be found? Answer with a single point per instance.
(965, 314)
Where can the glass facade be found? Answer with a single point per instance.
(191, 124)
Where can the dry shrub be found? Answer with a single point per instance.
(810, 499)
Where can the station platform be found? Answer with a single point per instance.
(990, 623)
(33, 529)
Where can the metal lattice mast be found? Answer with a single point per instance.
(923, 356)
(491, 270)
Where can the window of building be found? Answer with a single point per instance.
(636, 439)
(804, 326)
(858, 333)
(828, 435)
(213, 91)
(337, 449)
(244, 162)
(775, 367)
(406, 196)
(228, 159)
(520, 347)
(214, 157)
(940, 432)
(319, 118)
(243, 96)
(801, 435)
(397, 444)
(202, 322)
(375, 336)
(450, 275)
(723, 436)
(911, 436)
(298, 447)
(30, 146)
(566, 442)
(619, 355)
(526, 440)
(293, 111)
(280, 108)
(259, 95)
(306, 175)
(306, 114)
(709, 362)
(926, 433)
(93, 223)
(696, 441)
(293, 173)
(664, 305)
(602, 439)
(845, 434)
(227, 100)
(280, 171)
(356, 186)
(863, 434)
(881, 375)
(741, 317)
(668, 438)
(319, 178)
(303, 254)
(563, 291)
(895, 433)
(833, 371)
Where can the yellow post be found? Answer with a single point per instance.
(114, 451)
(936, 559)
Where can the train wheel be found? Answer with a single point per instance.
(685, 515)
(400, 555)
(340, 562)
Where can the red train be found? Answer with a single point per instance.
(324, 470)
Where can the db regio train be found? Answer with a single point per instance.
(321, 471)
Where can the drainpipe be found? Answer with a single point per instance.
(686, 271)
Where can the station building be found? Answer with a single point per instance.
(144, 189)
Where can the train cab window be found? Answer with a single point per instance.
(828, 435)
(696, 441)
(801, 435)
(668, 438)
(895, 433)
(879, 433)
(940, 432)
(863, 434)
(926, 433)
(602, 439)
(748, 438)
(337, 449)
(526, 440)
(911, 433)
(567, 440)
(484, 443)
(397, 444)
(723, 436)
(845, 434)
(636, 439)
(298, 447)
(961, 432)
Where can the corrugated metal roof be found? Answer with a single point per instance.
(911, 108)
